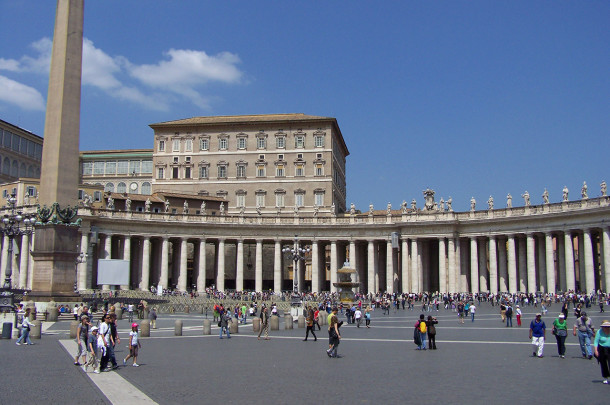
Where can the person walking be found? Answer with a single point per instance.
(316, 318)
(26, 325)
(601, 347)
(430, 322)
(82, 340)
(367, 317)
(310, 325)
(152, 317)
(94, 351)
(104, 341)
(358, 317)
(473, 310)
(560, 330)
(537, 335)
(519, 313)
(264, 316)
(461, 309)
(134, 345)
(225, 317)
(334, 335)
(583, 328)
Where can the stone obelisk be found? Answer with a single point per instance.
(55, 243)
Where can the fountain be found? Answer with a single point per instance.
(347, 279)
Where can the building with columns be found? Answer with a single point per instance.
(550, 247)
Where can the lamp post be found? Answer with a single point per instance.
(297, 254)
(14, 223)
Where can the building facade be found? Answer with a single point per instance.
(20, 153)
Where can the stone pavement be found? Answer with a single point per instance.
(476, 363)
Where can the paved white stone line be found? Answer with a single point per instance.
(116, 389)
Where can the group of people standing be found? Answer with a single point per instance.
(425, 329)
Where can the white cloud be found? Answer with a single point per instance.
(182, 74)
(25, 97)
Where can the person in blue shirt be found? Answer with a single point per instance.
(537, 334)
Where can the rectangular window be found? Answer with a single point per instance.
(31, 191)
(260, 200)
(187, 172)
(188, 145)
(260, 171)
(31, 148)
(160, 173)
(241, 200)
(319, 199)
(176, 145)
(187, 159)
(299, 171)
(97, 196)
(279, 200)
(175, 159)
(319, 170)
(241, 171)
(134, 167)
(110, 167)
(204, 144)
(298, 199)
(81, 194)
(241, 143)
(280, 157)
(279, 171)
(222, 143)
(319, 141)
(175, 172)
(122, 167)
(299, 141)
(98, 167)
(161, 146)
(147, 166)
(15, 143)
(222, 171)
(280, 142)
(203, 172)
(261, 143)
(23, 146)
(87, 168)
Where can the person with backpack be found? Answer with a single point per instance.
(509, 315)
(422, 328)
(430, 322)
(310, 325)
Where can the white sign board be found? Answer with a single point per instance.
(113, 272)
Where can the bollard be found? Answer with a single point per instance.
(53, 312)
(146, 312)
(187, 309)
(207, 327)
(35, 331)
(119, 312)
(145, 328)
(288, 322)
(73, 329)
(178, 328)
(234, 326)
(274, 322)
(7, 329)
(301, 321)
(256, 324)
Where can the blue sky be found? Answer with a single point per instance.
(469, 98)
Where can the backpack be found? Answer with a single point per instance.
(509, 311)
(422, 327)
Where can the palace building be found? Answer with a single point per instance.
(217, 199)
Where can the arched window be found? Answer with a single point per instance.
(109, 187)
(23, 171)
(121, 188)
(6, 166)
(146, 188)
(31, 172)
(15, 169)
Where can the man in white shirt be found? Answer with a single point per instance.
(358, 316)
(473, 309)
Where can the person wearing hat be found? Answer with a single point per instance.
(601, 347)
(583, 328)
(537, 334)
(94, 351)
(560, 330)
(134, 345)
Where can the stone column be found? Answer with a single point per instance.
(371, 267)
(606, 257)
(389, 273)
(315, 267)
(474, 265)
(569, 254)
(24, 257)
(201, 275)
(404, 268)
(459, 282)
(352, 254)
(145, 281)
(442, 266)
(164, 277)
(561, 262)
(5, 242)
(452, 267)
(182, 277)
(107, 254)
(220, 260)
(493, 266)
(258, 271)
(522, 270)
(512, 265)
(127, 256)
(482, 265)
(82, 267)
(333, 265)
(415, 287)
(277, 267)
(540, 246)
(589, 271)
(531, 263)
(502, 267)
(239, 277)
(551, 286)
